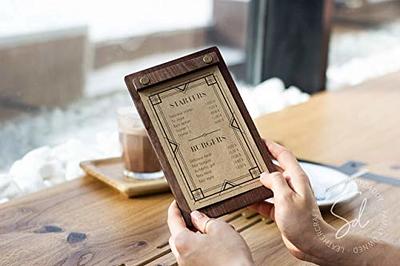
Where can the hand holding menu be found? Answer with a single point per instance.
(204, 137)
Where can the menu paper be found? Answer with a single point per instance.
(204, 136)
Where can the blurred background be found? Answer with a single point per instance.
(62, 64)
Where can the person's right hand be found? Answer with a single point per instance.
(295, 210)
(304, 232)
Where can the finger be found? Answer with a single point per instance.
(200, 221)
(292, 168)
(266, 209)
(176, 224)
(208, 225)
(277, 183)
(276, 164)
(282, 155)
(184, 242)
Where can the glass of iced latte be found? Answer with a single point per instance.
(138, 155)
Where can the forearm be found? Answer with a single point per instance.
(367, 251)
(350, 250)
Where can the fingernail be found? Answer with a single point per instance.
(197, 215)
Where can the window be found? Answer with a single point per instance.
(62, 66)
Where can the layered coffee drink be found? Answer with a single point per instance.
(138, 154)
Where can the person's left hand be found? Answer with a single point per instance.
(216, 242)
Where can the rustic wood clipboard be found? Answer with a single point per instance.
(204, 137)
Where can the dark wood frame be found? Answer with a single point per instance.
(177, 68)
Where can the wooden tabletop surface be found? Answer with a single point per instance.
(84, 222)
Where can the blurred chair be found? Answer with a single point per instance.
(289, 40)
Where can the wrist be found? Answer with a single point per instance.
(327, 249)
(322, 243)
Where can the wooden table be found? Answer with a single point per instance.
(84, 222)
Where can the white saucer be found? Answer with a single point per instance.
(322, 177)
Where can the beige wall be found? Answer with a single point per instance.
(43, 69)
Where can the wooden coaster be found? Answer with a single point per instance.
(110, 171)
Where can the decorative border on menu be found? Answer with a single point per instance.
(198, 194)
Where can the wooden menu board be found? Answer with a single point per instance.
(207, 144)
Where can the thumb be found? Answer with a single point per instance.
(277, 183)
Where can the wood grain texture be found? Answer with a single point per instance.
(361, 123)
(177, 68)
(109, 229)
(174, 68)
